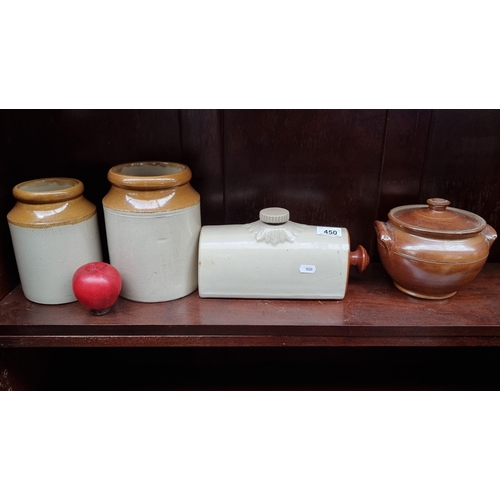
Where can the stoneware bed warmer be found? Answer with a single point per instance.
(152, 217)
(54, 231)
(431, 251)
(276, 258)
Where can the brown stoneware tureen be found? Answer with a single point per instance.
(431, 251)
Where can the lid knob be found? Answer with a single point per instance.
(437, 204)
(274, 215)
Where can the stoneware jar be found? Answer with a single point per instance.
(152, 216)
(431, 251)
(54, 231)
(276, 258)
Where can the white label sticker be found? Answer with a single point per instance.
(329, 231)
(307, 269)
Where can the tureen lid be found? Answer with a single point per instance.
(437, 218)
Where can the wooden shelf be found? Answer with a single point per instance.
(373, 313)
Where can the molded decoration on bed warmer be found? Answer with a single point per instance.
(274, 235)
(276, 258)
(431, 251)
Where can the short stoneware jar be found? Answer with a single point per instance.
(153, 222)
(54, 231)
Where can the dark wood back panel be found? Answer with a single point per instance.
(403, 162)
(463, 164)
(328, 167)
(201, 143)
(323, 166)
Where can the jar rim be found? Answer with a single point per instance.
(149, 175)
(48, 190)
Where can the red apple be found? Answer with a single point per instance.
(97, 285)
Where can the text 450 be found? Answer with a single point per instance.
(329, 231)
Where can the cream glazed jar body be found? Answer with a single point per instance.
(153, 221)
(54, 231)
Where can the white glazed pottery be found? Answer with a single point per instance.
(153, 221)
(276, 258)
(54, 231)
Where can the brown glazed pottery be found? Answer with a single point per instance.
(431, 251)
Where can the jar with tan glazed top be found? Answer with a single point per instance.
(431, 251)
(153, 221)
(54, 231)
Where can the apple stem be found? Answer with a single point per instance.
(100, 312)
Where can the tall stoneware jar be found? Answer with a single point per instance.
(54, 231)
(153, 222)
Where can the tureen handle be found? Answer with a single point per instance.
(384, 234)
(490, 234)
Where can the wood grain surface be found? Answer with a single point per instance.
(373, 313)
(462, 164)
(323, 166)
